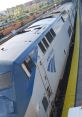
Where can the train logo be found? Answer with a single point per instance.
(51, 65)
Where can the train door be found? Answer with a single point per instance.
(46, 98)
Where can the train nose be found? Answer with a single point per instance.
(6, 107)
(6, 95)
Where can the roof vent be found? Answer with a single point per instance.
(38, 28)
(49, 16)
(23, 31)
(55, 12)
(33, 26)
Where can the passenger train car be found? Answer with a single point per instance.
(32, 64)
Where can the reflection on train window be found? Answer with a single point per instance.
(42, 47)
(52, 32)
(45, 42)
(27, 66)
(49, 37)
(45, 103)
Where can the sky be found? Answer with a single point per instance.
(10, 3)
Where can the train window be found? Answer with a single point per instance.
(49, 37)
(45, 103)
(27, 66)
(26, 69)
(42, 47)
(30, 63)
(52, 32)
(45, 42)
(5, 80)
(69, 31)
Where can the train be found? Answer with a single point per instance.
(32, 63)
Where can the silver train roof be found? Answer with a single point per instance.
(13, 48)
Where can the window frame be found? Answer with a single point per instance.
(49, 37)
(52, 32)
(26, 67)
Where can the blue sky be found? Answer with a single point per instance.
(10, 3)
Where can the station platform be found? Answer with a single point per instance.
(78, 100)
(73, 95)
